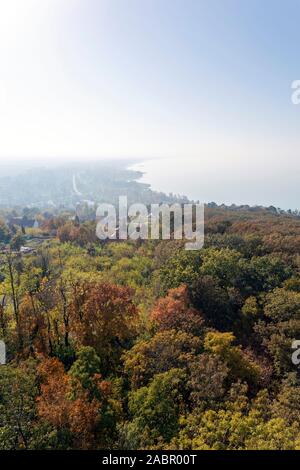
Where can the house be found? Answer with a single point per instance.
(25, 249)
(22, 222)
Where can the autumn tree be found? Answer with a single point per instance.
(103, 316)
(166, 350)
(175, 312)
(240, 365)
(66, 407)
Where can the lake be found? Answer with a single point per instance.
(242, 184)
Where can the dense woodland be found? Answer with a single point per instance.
(143, 345)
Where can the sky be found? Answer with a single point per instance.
(204, 79)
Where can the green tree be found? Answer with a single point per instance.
(155, 410)
(18, 391)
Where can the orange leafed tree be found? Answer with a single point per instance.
(175, 312)
(65, 407)
(103, 316)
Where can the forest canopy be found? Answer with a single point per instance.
(144, 345)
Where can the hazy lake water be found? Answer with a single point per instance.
(239, 185)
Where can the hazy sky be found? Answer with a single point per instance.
(151, 78)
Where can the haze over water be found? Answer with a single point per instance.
(239, 184)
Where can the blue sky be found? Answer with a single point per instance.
(150, 78)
